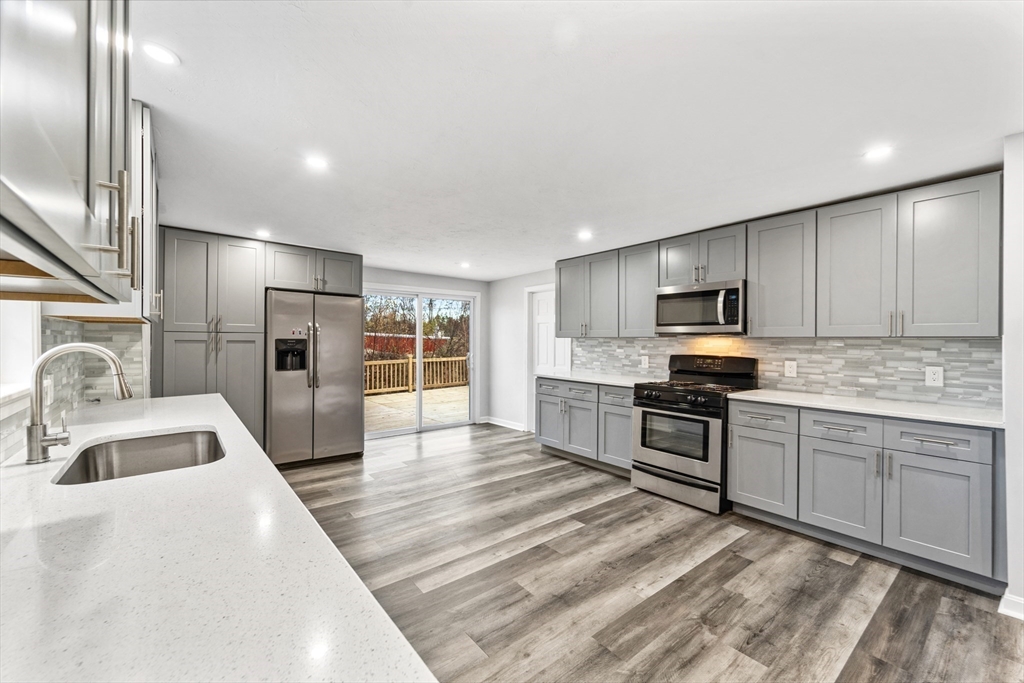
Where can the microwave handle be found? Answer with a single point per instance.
(721, 307)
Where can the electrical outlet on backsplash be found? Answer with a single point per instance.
(869, 368)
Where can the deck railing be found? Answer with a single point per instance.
(388, 376)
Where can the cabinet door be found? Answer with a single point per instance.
(939, 509)
(290, 267)
(723, 254)
(678, 259)
(948, 259)
(240, 370)
(780, 276)
(615, 435)
(601, 295)
(762, 470)
(240, 268)
(339, 273)
(569, 297)
(190, 363)
(190, 281)
(579, 426)
(638, 289)
(841, 487)
(549, 421)
(857, 268)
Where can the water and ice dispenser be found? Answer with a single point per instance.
(289, 354)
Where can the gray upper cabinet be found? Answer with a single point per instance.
(240, 306)
(857, 268)
(939, 509)
(601, 295)
(763, 470)
(678, 261)
(723, 254)
(190, 364)
(569, 297)
(338, 273)
(638, 288)
(948, 259)
(290, 267)
(841, 487)
(240, 369)
(190, 281)
(615, 435)
(780, 276)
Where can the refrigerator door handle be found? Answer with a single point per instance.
(309, 362)
(317, 355)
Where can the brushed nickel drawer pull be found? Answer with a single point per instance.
(837, 428)
(578, 391)
(547, 386)
(755, 416)
(622, 396)
(937, 442)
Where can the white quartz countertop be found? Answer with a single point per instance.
(214, 572)
(600, 378)
(907, 410)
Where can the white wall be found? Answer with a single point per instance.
(1013, 367)
(19, 340)
(508, 347)
(381, 276)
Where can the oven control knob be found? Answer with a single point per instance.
(701, 400)
(648, 393)
(689, 399)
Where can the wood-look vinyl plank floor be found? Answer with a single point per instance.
(503, 563)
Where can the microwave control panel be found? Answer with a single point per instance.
(732, 307)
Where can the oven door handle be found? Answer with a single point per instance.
(644, 406)
(721, 307)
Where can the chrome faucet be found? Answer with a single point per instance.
(39, 442)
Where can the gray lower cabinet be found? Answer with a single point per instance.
(939, 509)
(229, 364)
(781, 253)
(569, 297)
(841, 487)
(580, 427)
(601, 295)
(638, 289)
(762, 470)
(339, 273)
(240, 277)
(190, 281)
(615, 435)
(723, 254)
(856, 294)
(678, 261)
(948, 259)
(549, 431)
(290, 267)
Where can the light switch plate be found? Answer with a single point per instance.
(933, 376)
(790, 368)
(645, 362)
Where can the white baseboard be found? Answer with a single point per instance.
(1012, 606)
(504, 423)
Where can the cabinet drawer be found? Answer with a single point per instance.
(764, 416)
(856, 429)
(566, 389)
(616, 396)
(944, 441)
(549, 387)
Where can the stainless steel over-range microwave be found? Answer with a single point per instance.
(706, 308)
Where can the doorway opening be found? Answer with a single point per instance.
(544, 351)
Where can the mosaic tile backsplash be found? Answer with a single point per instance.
(870, 368)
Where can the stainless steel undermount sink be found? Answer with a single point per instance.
(144, 455)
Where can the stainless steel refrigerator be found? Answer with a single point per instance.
(314, 375)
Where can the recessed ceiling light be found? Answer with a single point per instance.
(876, 153)
(316, 163)
(464, 264)
(160, 54)
(584, 235)
(263, 233)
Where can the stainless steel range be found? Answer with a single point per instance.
(678, 450)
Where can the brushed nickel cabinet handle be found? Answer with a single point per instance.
(136, 254)
(878, 463)
(696, 274)
(900, 328)
(890, 323)
(703, 273)
(579, 391)
(937, 442)
(837, 428)
(121, 188)
(755, 416)
(890, 466)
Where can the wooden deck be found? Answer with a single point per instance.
(396, 411)
(503, 563)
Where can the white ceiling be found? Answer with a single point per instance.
(491, 132)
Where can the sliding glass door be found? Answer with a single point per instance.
(418, 362)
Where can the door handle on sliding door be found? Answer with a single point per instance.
(309, 355)
(317, 355)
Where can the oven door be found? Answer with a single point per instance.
(680, 442)
(713, 308)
